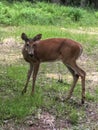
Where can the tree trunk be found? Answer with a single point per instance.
(96, 3)
(67, 2)
(83, 3)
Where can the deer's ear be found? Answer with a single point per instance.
(24, 37)
(37, 37)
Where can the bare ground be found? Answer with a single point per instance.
(10, 52)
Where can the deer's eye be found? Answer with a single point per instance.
(27, 45)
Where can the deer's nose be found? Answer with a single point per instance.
(31, 55)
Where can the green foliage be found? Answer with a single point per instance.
(96, 14)
(75, 14)
(21, 13)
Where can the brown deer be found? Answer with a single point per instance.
(68, 51)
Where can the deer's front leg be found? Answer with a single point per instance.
(28, 78)
(35, 71)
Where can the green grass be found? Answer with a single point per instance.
(47, 95)
(51, 21)
(13, 104)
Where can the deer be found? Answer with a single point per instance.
(35, 51)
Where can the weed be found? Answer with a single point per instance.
(90, 97)
(73, 116)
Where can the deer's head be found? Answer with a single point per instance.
(29, 43)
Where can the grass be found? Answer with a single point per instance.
(49, 94)
(14, 105)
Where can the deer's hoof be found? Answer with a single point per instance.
(60, 80)
(24, 91)
(82, 101)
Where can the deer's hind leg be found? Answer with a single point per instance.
(76, 72)
(75, 79)
(82, 74)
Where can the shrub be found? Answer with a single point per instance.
(75, 14)
(19, 13)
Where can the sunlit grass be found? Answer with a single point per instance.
(82, 35)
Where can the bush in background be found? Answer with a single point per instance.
(21, 13)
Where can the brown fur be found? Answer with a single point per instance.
(53, 49)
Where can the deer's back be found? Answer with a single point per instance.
(56, 48)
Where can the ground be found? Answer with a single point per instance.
(10, 51)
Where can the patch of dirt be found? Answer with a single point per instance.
(42, 121)
(81, 31)
(10, 51)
